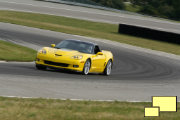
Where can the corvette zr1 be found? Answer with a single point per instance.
(75, 55)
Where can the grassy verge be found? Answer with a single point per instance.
(13, 52)
(84, 28)
(49, 109)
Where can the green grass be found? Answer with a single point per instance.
(84, 28)
(50, 109)
(13, 52)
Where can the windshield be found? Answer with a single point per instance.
(76, 45)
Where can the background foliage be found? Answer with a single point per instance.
(160, 8)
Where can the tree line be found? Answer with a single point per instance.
(159, 8)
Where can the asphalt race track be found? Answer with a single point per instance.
(137, 74)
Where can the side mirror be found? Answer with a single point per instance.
(99, 53)
(53, 45)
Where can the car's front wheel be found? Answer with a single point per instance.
(108, 69)
(40, 67)
(87, 67)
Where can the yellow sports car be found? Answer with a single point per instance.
(75, 55)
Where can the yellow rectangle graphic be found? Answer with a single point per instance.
(151, 112)
(166, 104)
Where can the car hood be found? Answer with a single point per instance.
(61, 52)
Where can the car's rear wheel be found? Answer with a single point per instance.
(108, 69)
(40, 67)
(87, 67)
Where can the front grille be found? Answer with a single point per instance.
(55, 63)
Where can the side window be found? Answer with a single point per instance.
(96, 49)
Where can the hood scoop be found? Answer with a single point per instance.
(58, 55)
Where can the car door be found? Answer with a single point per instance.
(97, 60)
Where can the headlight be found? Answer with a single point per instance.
(43, 51)
(77, 57)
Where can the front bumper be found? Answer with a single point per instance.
(71, 64)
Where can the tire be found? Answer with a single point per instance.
(40, 67)
(108, 69)
(87, 67)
